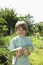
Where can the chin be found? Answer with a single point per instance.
(21, 35)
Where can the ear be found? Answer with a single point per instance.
(16, 32)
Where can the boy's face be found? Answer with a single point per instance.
(21, 32)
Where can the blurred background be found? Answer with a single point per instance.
(32, 13)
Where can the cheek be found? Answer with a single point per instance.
(24, 32)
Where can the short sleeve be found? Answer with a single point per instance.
(30, 44)
(12, 45)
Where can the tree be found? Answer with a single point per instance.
(2, 26)
(40, 27)
(10, 17)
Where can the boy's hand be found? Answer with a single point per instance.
(26, 52)
(18, 53)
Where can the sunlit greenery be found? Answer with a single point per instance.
(36, 57)
(8, 19)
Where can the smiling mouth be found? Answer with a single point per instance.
(21, 33)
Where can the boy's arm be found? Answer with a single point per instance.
(29, 48)
(30, 45)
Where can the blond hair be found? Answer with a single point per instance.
(21, 24)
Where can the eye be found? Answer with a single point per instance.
(20, 29)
